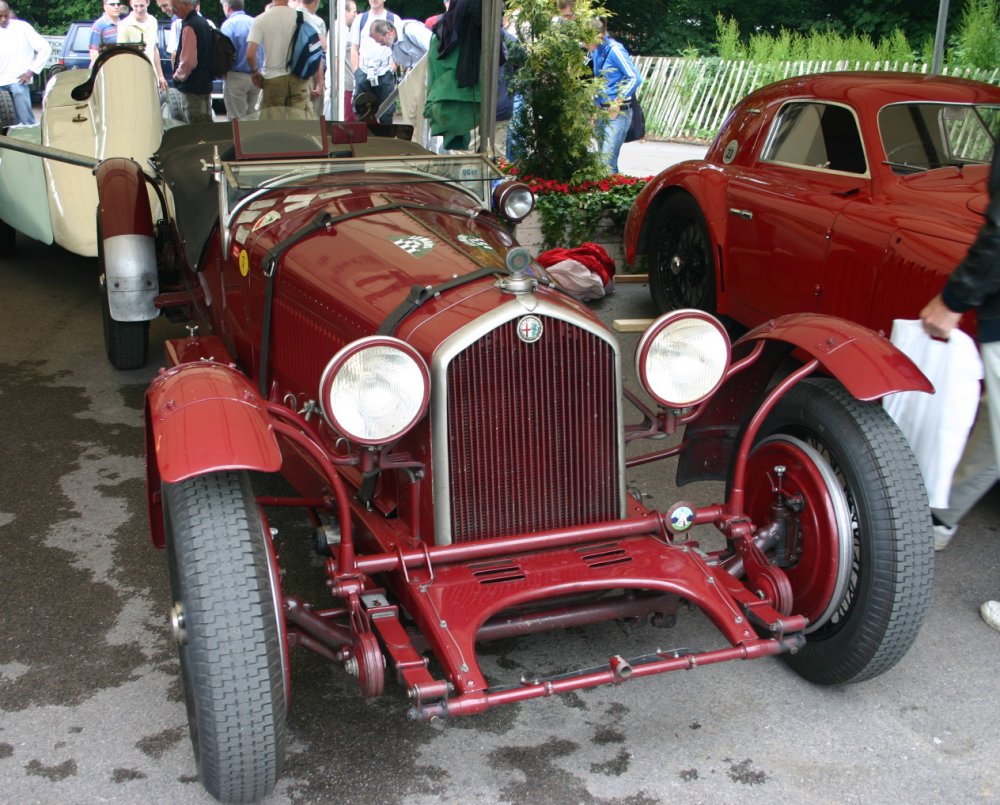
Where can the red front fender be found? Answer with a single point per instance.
(203, 417)
(866, 363)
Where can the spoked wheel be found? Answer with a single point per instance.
(680, 257)
(864, 570)
(226, 618)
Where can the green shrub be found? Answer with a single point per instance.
(555, 127)
(978, 39)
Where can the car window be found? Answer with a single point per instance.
(816, 135)
(81, 39)
(923, 136)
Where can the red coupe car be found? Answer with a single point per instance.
(852, 194)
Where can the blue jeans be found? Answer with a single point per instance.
(513, 148)
(611, 137)
(21, 93)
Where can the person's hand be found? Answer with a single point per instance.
(939, 319)
(256, 78)
(25, 77)
(163, 83)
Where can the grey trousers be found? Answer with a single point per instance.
(977, 470)
(240, 94)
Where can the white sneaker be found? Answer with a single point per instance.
(943, 535)
(991, 613)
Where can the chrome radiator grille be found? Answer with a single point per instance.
(532, 432)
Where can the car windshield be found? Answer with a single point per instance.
(923, 136)
(295, 153)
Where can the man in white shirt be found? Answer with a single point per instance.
(409, 44)
(374, 71)
(23, 54)
(140, 27)
(273, 31)
(350, 14)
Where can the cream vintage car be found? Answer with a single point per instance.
(111, 111)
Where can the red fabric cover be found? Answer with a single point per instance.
(592, 255)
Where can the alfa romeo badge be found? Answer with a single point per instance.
(529, 329)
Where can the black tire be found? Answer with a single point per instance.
(8, 116)
(230, 640)
(176, 108)
(681, 257)
(875, 618)
(125, 342)
(8, 240)
(55, 69)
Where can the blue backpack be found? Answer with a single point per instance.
(305, 54)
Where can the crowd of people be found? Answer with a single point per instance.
(432, 65)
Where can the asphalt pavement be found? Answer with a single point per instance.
(90, 700)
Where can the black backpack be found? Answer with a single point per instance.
(223, 53)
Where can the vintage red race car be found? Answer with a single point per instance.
(853, 194)
(370, 347)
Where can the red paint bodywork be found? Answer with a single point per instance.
(870, 248)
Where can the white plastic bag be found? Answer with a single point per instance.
(576, 279)
(937, 425)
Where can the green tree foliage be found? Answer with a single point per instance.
(663, 28)
(555, 127)
(977, 43)
(827, 45)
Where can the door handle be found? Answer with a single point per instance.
(746, 215)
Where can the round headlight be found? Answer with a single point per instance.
(375, 389)
(513, 200)
(682, 358)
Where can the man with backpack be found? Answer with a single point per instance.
(193, 62)
(273, 32)
(318, 88)
(374, 70)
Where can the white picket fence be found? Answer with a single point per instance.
(688, 99)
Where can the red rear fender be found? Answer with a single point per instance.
(704, 182)
(128, 247)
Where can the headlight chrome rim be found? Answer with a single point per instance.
(513, 200)
(346, 361)
(675, 320)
